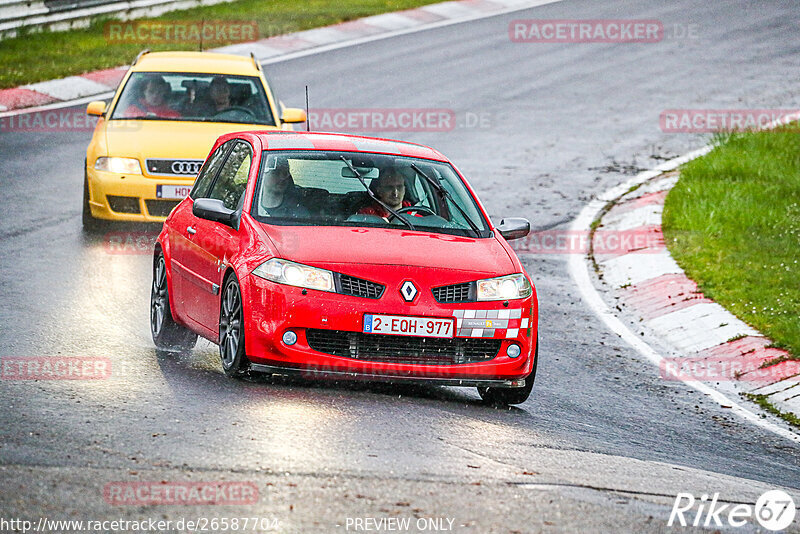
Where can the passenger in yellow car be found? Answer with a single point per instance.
(220, 93)
(152, 100)
(215, 99)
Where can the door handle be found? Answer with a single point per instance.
(191, 230)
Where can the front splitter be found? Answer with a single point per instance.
(398, 379)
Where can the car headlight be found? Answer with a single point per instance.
(295, 274)
(512, 286)
(118, 165)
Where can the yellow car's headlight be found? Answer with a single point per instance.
(118, 165)
(512, 286)
(295, 274)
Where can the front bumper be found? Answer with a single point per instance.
(126, 197)
(272, 309)
(386, 377)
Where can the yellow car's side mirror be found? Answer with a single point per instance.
(96, 108)
(292, 115)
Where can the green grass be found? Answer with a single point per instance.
(763, 402)
(36, 57)
(733, 224)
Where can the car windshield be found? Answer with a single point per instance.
(313, 188)
(180, 96)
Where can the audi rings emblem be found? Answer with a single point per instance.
(186, 167)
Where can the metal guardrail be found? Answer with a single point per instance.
(65, 14)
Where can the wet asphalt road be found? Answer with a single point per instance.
(603, 444)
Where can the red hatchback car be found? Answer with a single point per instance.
(341, 256)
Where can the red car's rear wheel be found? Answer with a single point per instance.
(167, 334)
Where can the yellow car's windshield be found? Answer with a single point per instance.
(180, 96)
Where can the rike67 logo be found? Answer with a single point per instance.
(774, 511)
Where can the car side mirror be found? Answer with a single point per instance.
(514, 228)
(293, 115)
(96, 108)
(213, 210)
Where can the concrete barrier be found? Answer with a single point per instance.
(65, 14)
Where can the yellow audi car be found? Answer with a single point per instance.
(152, 138)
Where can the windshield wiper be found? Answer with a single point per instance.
(444, 193)
(374, 197)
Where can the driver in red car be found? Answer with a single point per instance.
(389, 187)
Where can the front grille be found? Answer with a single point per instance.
(402, 349)
(455, 293)
(124, 204)
(173, 167)
(160, 208)
(350, 285)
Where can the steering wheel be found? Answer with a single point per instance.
(426, 211)
(235, 108)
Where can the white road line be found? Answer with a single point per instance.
(579, 270)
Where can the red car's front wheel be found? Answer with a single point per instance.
(231, 330)
(506, 396)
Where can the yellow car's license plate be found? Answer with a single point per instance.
(173, 191)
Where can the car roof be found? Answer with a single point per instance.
(200, 62)
(277, 140)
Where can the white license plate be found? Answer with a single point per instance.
(173, 191)
(401, 325)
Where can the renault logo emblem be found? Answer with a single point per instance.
(408, 290)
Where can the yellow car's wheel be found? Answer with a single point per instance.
(89, 222)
